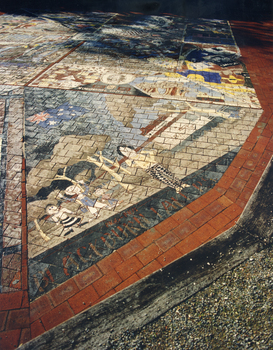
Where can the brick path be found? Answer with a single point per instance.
(67, 102)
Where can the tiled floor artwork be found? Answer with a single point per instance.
(111, 125)
(97, 178)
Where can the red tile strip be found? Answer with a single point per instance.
(15, 319)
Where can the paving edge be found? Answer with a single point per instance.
(152, 296)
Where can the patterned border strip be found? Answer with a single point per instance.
(14, 303)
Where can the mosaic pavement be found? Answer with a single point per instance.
(115, 130)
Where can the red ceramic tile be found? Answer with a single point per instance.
(9, 301)
(267, 132)
(232, 171)
(128, 268)
(57, 315)
(232, 194)
(197, 205)
(83, 279)
(25, 336)
(3, 318)
(18, 319)
(237, 162)
(167, 241)
(267, 155)
(169, 256)
(200, 218)
(219, 221)
(258, 171)
(211, 196)
(269, 146)
(182, 215)
(84, 299)
(263, 162)
(9, 340)
(244, 174)
(248, 146)
(36, 329)
(25, 300)
(132, 279)
(261, 144)
(243, 154)
(110, 262)
(107, 282)
(225, 181)
(149, 253)
(148, 237)
(166, 226)
(253, 181)
(233, 211)
(246, 194)
(231, 223)
(184, 230)
(203, 233)
(251, 164)
(63, 292)
(130, 249)
(238, 184)
(149, 269)
(39, 307)
(188, 244)
(225, 201)
(255, 155)
(241, 202)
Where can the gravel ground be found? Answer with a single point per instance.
(235, 312)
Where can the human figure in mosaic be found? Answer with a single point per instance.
(145, 159)
(79, 193)
(64, 217)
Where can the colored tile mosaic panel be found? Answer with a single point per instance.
(142, 141)
(98, 175)
(121, 60)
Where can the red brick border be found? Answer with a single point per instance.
(14, 306)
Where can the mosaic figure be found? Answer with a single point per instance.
(64, 217)
(100, 162)
(78, 193)
(146, 160)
